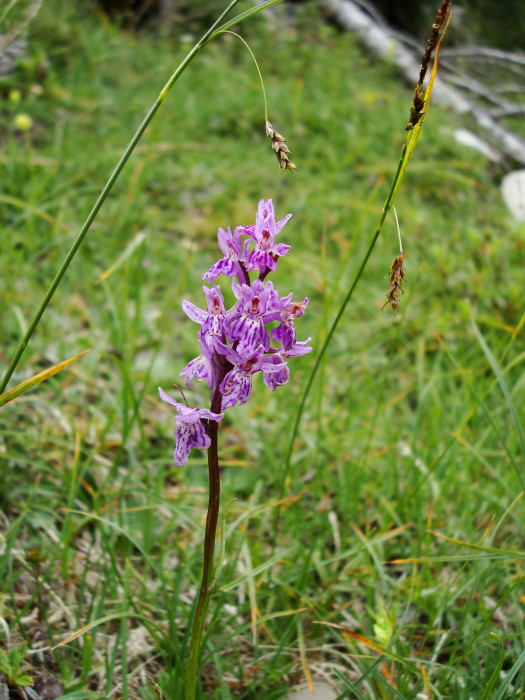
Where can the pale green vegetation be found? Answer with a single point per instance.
(412, 428)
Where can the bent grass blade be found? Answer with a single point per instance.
(38, 378)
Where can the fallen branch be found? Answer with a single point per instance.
(485, 52)
(380, 40)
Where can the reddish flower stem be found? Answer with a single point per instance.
(208, 569)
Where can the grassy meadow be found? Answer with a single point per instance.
(396, 568)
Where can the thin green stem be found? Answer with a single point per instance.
(208, 568)
(258, 71)
(105, 191)
(398, 229)
(244, 15)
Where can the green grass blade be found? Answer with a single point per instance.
(258, 570)
(395, 692)
(101, 621)
(37, 379)
(485, 695)
(487, 413)
(502, 690)
(244, 15)
(350, 686)
(503, 386)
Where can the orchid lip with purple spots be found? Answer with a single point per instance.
(190, 428)
(237, 384)
(246, 322)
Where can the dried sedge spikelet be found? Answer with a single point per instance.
(280, 149)
(397, 279)
(416, 110)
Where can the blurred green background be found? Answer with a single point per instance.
(414, 424)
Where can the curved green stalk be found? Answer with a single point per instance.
(226, 31)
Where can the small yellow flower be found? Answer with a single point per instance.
(23, 122)
(15, 96)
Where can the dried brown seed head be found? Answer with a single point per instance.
(280, 148)
(397, 279)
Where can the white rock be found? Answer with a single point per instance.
(322, 691)
(513, 191)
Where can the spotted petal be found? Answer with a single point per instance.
(236, 386)
(189, 435)
(225, 266)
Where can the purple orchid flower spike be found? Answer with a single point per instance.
(245, 323)
(264, 255)
(236, 344)
(234, 252)
(190, 428)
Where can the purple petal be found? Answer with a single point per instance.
(260, 260)
(281, 248)
(187, 415)
(205, 413)
(275, 375)
(265, 211)
(228, 352)
(243, 255)
(196, 314)
(225, 237)
(167, 398)
(298, 349)
(214, 300)
(258, 288)
(230, 318)
(239, 289)
(200, 368)
(285, 334)
(250, 333)
(280, 224)
(275, 371)
(213, 325)
(221, 267)
(248, 230)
